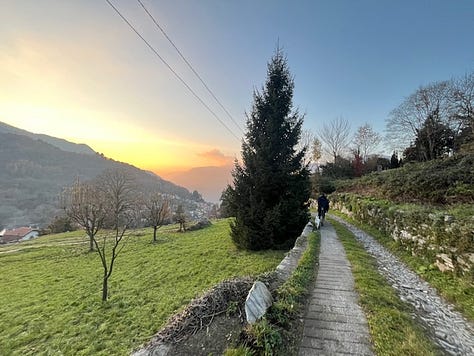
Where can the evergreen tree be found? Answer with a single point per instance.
(271, 187)
(394, 162)
(227, 208)
(434, 140)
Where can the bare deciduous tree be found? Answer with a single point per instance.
(305, 143)
(462, 97)
(366, 140)
(312, 146)
(335, 137)
(316, 149)
(407, 119)
(108, 202)
(119, 191)
(157, 210)
(84, 204)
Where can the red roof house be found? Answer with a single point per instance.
(19, 234)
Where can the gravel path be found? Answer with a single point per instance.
(448, 328)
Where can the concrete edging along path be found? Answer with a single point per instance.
(448, 328)
(334, 323)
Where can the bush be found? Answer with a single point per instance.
(61, 224)
(442, 181)
(201, 224)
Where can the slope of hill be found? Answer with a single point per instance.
(34, 172)
(448, 180)
(57, 142)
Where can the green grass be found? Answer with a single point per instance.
(51, 288)
(391, 326)
(290, 295)
(458, 290)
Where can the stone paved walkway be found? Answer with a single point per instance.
(334, 323)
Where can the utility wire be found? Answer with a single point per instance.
(171, 69)
(189, 64)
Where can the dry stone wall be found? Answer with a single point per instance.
(447, 239)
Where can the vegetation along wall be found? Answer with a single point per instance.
(444, 236)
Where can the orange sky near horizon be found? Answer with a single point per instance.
(45, 93)
(128, 144)
(87, 90)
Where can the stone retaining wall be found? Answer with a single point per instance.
(449, 240)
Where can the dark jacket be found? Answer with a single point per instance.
(323, 203)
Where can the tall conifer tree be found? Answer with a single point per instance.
(271, 187)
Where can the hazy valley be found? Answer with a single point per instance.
(35, 169)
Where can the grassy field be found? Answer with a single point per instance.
(392, 328)
(51, 288)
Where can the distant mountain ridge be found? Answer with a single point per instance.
(57, 142)
(33, 172)
(209, 181)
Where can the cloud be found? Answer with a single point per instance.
(216, 157)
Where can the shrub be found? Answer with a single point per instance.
(201, 224)
(442, 181)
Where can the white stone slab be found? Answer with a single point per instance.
(258, 301)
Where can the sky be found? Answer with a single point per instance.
(74, 69)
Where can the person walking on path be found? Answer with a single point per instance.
(334, 323)
(323, 207)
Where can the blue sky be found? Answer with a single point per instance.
(73, 69)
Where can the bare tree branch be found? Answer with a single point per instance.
(335, 137)
(84, 204)
(157, 211)
(407, 119)
(462, 97)
(366, 140)
(108, 202)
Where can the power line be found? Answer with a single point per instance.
(189, 64)
(171, 69)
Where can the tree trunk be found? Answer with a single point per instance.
(104, 289)
(154, 233)
(91, 244)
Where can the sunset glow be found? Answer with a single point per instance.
(43, 97)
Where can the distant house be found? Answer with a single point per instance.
(17, 235)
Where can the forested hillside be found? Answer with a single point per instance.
(34, 172)
(57, 142)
